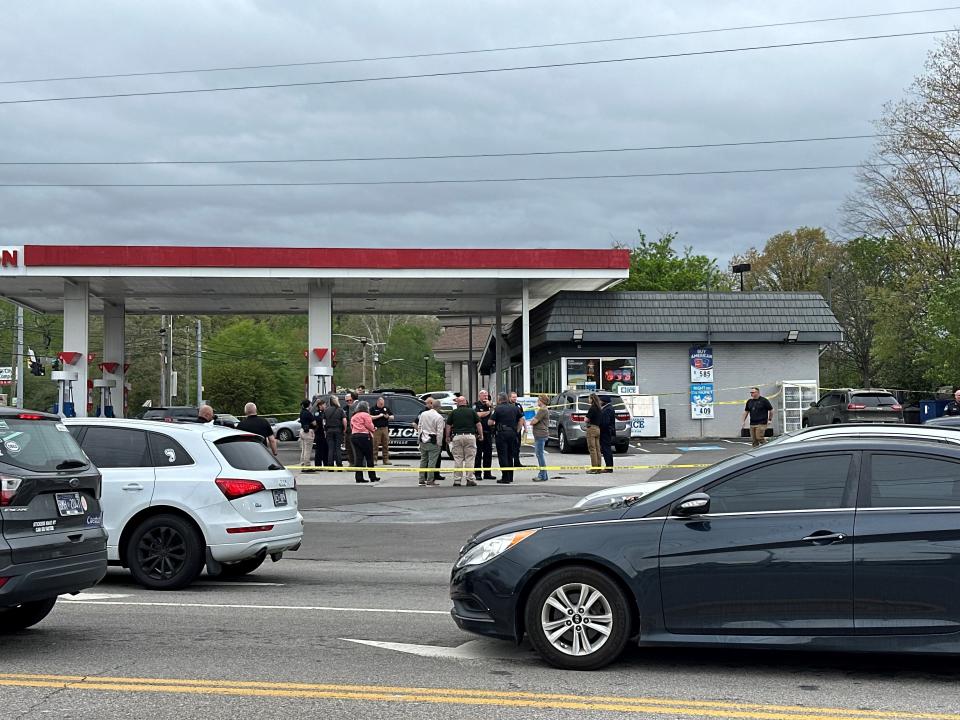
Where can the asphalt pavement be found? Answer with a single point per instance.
(357, 624)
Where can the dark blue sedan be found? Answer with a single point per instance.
(826, 545)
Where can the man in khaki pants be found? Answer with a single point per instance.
(760, 411)
(463, 432)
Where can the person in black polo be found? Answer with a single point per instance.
(484, 458)
(506, 419)
(761, 414)
(255, 424)
(953, 407)
(382, 416)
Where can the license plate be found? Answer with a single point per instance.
(279, 497)
(69, 504)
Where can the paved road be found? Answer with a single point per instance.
(356, 625)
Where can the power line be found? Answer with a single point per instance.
(451, 181)
(452, 156)
(508, 48)
(479, 71)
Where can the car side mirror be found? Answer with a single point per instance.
(695, 504)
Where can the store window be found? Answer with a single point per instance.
(583, 373)
(617, 372)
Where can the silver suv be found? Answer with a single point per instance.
(568, 420)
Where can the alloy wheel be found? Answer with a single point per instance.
(576, 619)
(162, 553)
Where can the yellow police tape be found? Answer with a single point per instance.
(447, 468)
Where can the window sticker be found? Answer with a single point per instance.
(171, 455)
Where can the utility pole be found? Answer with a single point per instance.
(169, 360)
(426, 359)
(18, 359)
(363, 344)
(163, 361)
(199, 364)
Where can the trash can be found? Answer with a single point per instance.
(930, 409)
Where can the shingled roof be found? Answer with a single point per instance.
(457, 337)
(681, 317)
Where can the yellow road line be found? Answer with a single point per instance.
(462, 696)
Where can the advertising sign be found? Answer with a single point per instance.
(645, 414)
(6, 375)
(529, 405)
(582, 372)
(617, 372)
(701, 364)
(701, 401)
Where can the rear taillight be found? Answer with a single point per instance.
(896, 407)
(578, 418)
(8, 488)
(3, 581)
(249, 528)
(234, 489)
(29, 416)
(623, 417)
(856, 406)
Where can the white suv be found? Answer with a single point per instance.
(178, 497)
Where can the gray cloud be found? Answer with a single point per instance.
(825, 90)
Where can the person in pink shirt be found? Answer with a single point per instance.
(361, 435)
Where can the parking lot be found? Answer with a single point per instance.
(357, 623)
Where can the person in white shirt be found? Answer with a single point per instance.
(430, 429)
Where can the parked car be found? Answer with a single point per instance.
(940, 434)
(175, 413)
(446, 398)
(226, 420)
(52, 540)
(945, 421)
(758, 551)
(854, 406)
(178, 497)
(287, 430)
(393, 391)
(568, 420)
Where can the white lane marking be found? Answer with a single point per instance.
(735, 442)
(92, 596)
(227, 583)
(480, 649)
(236, 606)
(637, 447)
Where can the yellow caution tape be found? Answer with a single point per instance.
(447, 468)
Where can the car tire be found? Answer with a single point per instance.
(622, 447)
(562, 441)
(580, 644)
(242, 567)
(25, 615)
(165, 552)
(284, 435)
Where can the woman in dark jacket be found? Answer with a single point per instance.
(594, 421)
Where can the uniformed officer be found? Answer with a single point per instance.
(484, 459)
(953, 407)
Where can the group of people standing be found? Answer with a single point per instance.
(326, 425)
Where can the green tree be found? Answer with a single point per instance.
(791, 261)
(231, 385)
(656, 265)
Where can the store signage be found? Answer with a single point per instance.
(11, 259)
(701, 364)
(629, 390)
(701, 401)
(6, 375)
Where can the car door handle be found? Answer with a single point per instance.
(133, 487)
(825, 537)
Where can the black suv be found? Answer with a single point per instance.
(52, 539)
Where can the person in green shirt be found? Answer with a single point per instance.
(463, 432)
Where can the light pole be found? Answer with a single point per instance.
(426, 359)
(740, 270)
(378, 364)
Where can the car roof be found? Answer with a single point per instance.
(878, 429)
(15, 411)
(884, 444)
(215, 432)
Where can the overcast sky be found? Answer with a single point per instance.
(781, 93)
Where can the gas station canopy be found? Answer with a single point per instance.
(447, 283)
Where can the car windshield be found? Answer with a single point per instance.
(873, 399)
(243, 452)
(693, 479)
(39, 445)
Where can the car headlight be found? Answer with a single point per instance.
(489, 549)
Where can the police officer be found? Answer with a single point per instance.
(484, 459)
(507, 419)
(953, 407)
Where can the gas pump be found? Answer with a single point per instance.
(106, 397)
(65, 379)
